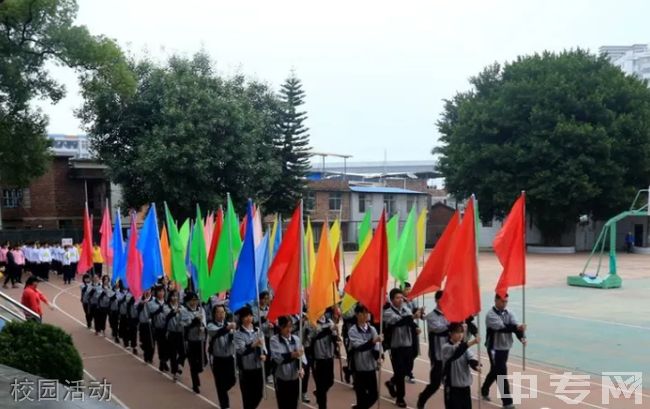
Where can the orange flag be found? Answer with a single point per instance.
(462, 297)
(165, 252)
(285, 272)
(323, 292)
(367, 283)
(433, 272)
(510, 247)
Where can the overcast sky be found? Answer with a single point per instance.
(375, 72)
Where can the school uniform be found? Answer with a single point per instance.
(364, 354)
(222, 358)
(132, 322)
(56, 259)
(68, 272)
(196, 335)
(114, 314)
(457, 359)
(250, 365)
(323, 341)
(74, 260)
(11, 271)
(400, 324)
(501, 324)
(175, 326)
(287, 370)
(103, 304)
(92, 297)
(158, 321)
(145, 331)
(261, 321)
(438, 336)
(415, 349)
(349, 320)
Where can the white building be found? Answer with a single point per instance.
(632, 59)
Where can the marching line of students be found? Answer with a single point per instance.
(244, 346)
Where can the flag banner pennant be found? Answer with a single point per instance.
(218, 225)
(86, 257)
(365, 228)
(149, 248)
(177, 247)
(262, 263)
(134, 262)
(323, 293)
(244, 286)
(510, 248)
(310, 255)
(105, 244)
(165, 252)
(119, 255)
(199, 258)
(227, 253)
(421, 234)
(406, 252)
(392, 235)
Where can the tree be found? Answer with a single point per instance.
(186, 136)
(292, 146)
(570, 128)
(33, 33)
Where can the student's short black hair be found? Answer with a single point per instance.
(284, 320)
(407, 284)
(172, 292)
(214, 309)
(263, 294)
(31, 280)
(439, 295)
(360, 308)
(498, 297)
(456, 327)
(394, 292)
(86, 275)
(244, 312)
(157, 288)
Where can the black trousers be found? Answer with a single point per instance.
(56, 266)
(146, 341)
(132, 332)
(68, 273)
(100, 315)
(114, 322)
(196, 359)
(498, 366)
(400, 358)
(458, 398)
(10, 275)
(307, 368)
(365, 388)
(160, 336)
(251, 385)
(45, 270)
(176, 350)
(286, 393)
(324, 379)
(123, 329)
(223, 371)
(435, 377)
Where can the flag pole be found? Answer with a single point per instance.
(478, 281)
(523, 288)
(382, 295)
(302, 258)
(336, 288)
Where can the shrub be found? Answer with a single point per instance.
(40, 349)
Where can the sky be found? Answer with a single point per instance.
(375, 73)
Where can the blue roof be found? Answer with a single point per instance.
(384, 189)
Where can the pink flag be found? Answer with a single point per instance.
(134, 262)
(107, 237)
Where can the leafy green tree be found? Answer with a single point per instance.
(292, 147)
(187, 136)
(32, 34)
(569, 128)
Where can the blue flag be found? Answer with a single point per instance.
(188, 261)
(262, 263)
(119, 255)
(244, 285)
(149, 247)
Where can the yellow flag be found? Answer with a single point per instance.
(322, 293)
(421, 237)
(311, 254)
(335, 236)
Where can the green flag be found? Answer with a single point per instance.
(364, 228)
(199, 257)
(406, 252)
(391, 236)
(228, 247)
(177, 248)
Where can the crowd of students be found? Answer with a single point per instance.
(244, 345)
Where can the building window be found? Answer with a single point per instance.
(12, 198)
(310, 201)
(389, 204)
(335, 201)
(364, 202)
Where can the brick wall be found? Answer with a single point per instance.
(439, 216)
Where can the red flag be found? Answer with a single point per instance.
(510, 247)
(462, 297)
(242, 228)
(433, 272)
(367, 283)
(106, 242)
(134, 262)
(285, 272)
(86, 257)
(215, 238)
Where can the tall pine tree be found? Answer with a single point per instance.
(292, 145)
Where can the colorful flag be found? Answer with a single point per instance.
(369, 278)
(462, 297)
(119, 255)
(257, 227)
(218, 225)
(406, 251)
(276, 237)
(421, 234)
(310, 255)
(433, 272)
(199, 257)
(165, 252)
(244, 286)
(262, 263)
(392, 235)
(86, 255)
(322, 293)
(177, 247)
(106, 239)
(365, 228)
(223, 268)
(510, 248)
(208, 230)
(149, 248)
(335, 245)
(134, 262)
(285, 271)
